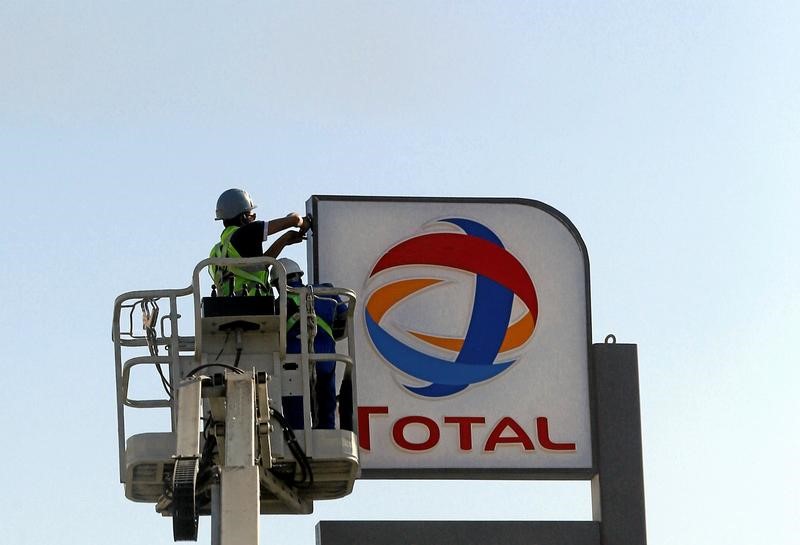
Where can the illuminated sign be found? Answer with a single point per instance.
(472, 333)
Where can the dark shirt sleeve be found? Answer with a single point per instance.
(248, 239)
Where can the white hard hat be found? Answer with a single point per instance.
(233, 202)
(289, 266)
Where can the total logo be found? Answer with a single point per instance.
(444, 365)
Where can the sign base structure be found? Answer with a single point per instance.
(617, 485)
(458, 532)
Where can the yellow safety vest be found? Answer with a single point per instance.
(293, 319)
(222, 275)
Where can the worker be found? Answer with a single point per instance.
(243, 236)
(331, 318)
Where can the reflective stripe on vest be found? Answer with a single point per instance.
(293, 319)
(220, 275)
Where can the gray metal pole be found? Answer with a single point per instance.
(618, 486)
(235, 515)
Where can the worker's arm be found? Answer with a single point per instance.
(292, 220)
(286, 239)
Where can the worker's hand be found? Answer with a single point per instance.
(302, 222)
(286, 239)
(293, 237)
(298, 219)
(305, 224)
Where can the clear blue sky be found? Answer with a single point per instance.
(668, 132)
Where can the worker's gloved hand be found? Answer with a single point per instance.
(302, 222)
(306, 224)
(293, 237)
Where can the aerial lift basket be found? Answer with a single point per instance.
(226, 440)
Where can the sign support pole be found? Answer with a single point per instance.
(618, 486)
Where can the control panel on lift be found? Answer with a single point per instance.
(226, 443)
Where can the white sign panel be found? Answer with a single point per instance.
(472, 334)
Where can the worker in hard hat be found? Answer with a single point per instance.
(243, 236)
(331, 316)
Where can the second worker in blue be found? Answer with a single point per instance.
(331, 316)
